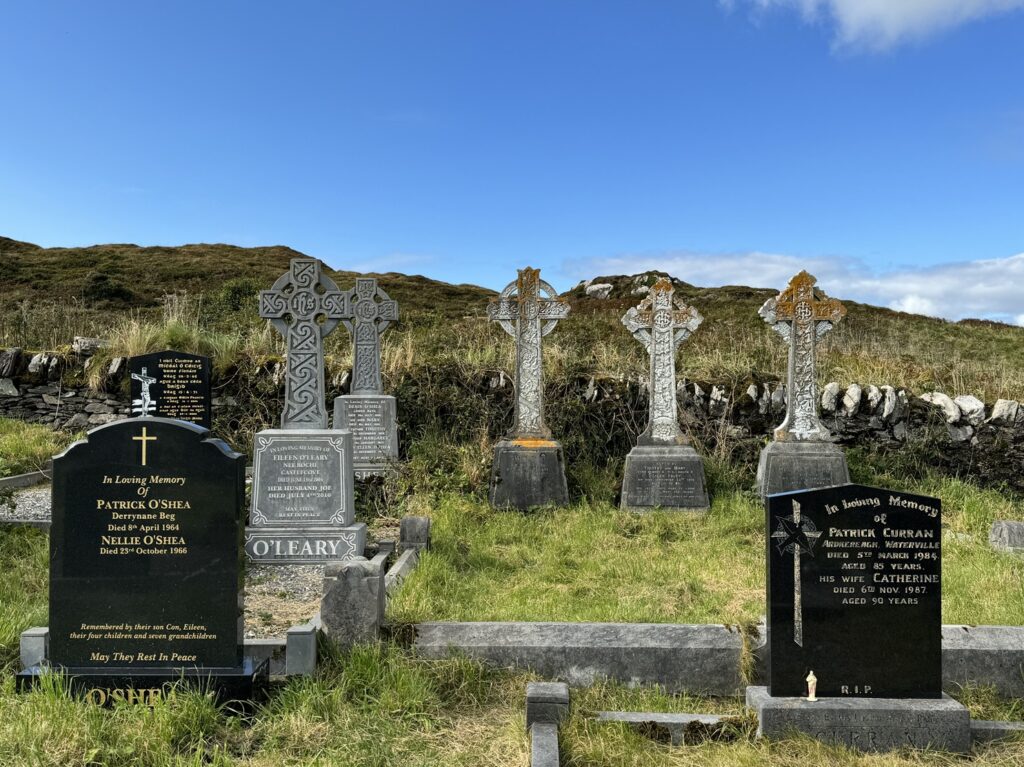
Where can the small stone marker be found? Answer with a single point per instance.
(144, 569)
(663, 470)
(802, 456)
(529, 468)
(171, 384)
(366, 411)
(302, 487)
(855, 621)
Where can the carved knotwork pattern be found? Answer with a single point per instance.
(661, 323)
(802, 315)
(366, 319)
(528, 309)
(295, 305)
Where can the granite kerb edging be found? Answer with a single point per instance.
(708, 659)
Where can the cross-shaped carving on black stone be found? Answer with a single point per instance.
(304, 305)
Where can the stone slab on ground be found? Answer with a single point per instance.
(788, 466)
(679, 728)
(986, 731)
(984, 655)
(866, 724)
(546, 702)
(544, 745)
(1007, 536)
(698, 659)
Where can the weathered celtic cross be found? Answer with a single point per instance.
(304, 305)
(367, 320)
(661, 323)
(528, 309)
(802, 314)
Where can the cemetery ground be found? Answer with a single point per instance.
(382, 705)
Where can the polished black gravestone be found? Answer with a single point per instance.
(171, 384)
(145, 585)
(854, 593)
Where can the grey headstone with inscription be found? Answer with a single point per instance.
(663, 470)
(366, 411)
(802, 455)
(303, 506)
(529, 468)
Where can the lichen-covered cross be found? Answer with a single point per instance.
(304, 305)
(366, 321)
(529, 309)
(661, 323)
(802, 314)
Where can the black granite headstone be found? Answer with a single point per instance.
(144, 561)
(171, 384)
(854, 593)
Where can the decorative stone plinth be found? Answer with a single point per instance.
(866, 724)
(372, 420)
(528, 473)
(665, 477)
(788, 466)
(134, 684)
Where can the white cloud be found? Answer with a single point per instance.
(986, 289)
(882, 24)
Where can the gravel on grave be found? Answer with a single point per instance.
(30, 503)
(277, 597)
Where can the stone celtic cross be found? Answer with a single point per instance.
(304, 305)
(366, 320)
(802, 314)
(528, 309)
(661, 323)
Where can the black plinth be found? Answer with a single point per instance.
(105, 686)
(528, 473)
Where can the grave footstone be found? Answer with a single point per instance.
(802, 455)
(171, 384)
(663, 470)
(855, 621)
(529, 467)
(366, 411)
(145, 582)
(303, 504)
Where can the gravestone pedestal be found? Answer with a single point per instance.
(372, 419)
(788, 466)
(303, 499)
(665, 477)
(528, 472)
(866, 724)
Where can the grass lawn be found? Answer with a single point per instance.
(27, 447)
(595, 563)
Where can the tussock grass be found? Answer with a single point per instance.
(27, 447)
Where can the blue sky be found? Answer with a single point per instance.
(878, 143)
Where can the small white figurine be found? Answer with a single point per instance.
(812, 687)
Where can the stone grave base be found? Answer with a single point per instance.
(106, 686)
(528, 473)
(280, 545)
(866, 724)
(788, 466)
(666, 477)
(372, 419)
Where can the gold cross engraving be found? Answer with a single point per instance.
(144, 439)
